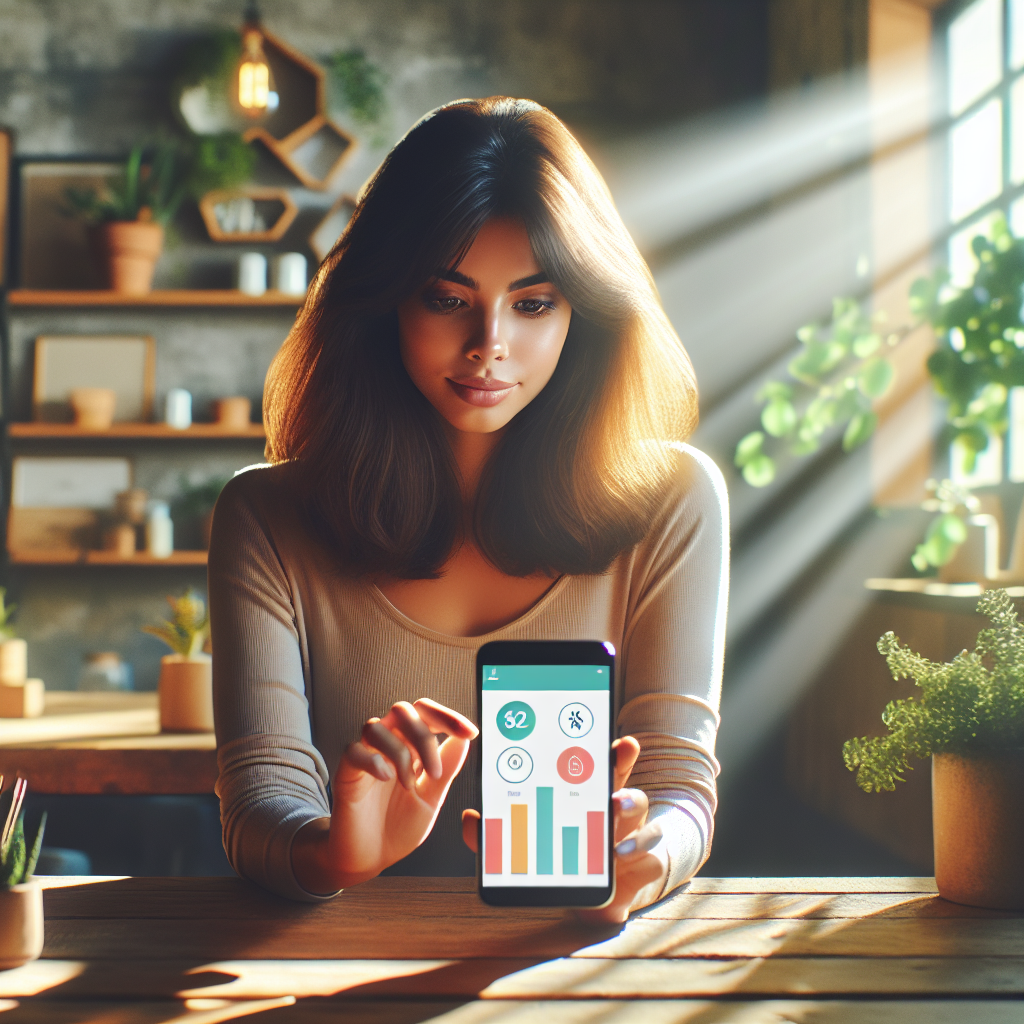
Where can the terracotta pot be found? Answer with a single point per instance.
(130, 249)
(121, 540)
(21, 924)
(186, 693)
(94, 407)
(232, 413)
(13, 662)
(978, 826)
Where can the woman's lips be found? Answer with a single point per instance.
(481, 391)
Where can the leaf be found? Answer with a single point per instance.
(875, 377)
(37, 847)
(858, 430)
(779, 418)
(866, 345)
(759, 471)
(817, 359)
(774, 390)
(12, 867)
(749, 447)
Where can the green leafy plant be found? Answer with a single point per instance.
(980, 351)
(188, 628)
(17, 860)
(360, 85)
(973, 704)
(954, 504)
(842, 367)
(197, 499)
(156, 179)
(6, 611)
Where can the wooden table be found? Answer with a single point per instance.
(404, 950)
(90, 743)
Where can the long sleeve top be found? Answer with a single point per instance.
(304, 655)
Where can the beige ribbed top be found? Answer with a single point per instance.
(303, 656)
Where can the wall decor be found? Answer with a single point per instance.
(125, 363)
(46, 228)
(247, 214)
(69, 482)
(330, 229)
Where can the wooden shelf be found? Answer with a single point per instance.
(168, 297)
(71, 556)
(156, 431)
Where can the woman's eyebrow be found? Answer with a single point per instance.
(456, 278)
(526, 282)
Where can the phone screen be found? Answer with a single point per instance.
(545, 749)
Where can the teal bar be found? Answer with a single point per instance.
(545, 677)
(545, 830)
(570, 850)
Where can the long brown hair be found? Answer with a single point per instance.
(579, 474)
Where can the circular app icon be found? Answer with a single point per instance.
(516, 720)
(575, 764)
(515, 764)
(575, 719)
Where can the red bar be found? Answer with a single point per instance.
(492, 846)
(595, 842)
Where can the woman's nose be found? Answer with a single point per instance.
(488, 341)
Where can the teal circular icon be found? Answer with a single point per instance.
(516, 720)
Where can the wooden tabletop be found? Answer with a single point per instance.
(89, 743)
(807, 950)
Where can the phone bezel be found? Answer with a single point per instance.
(547, 652)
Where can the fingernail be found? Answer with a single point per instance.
(626, 802)
(626, 846)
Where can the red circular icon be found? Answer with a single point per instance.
(575, 764)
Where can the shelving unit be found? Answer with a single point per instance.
(24, 297)
(108, 558)
(134, 431)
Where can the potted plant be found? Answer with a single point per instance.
(186, 676)
(21, 898)
(128, 221)
(969, 719)
(196, 502)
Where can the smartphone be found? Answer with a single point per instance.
(545, 713)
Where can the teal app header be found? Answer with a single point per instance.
(546, 677)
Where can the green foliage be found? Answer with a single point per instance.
(973, 704)
(17, 861)
(843, 370)
(360, 85)
(6, 611)
(198, 499)
(948, 530)
(187, 629)
(156, 179)
(980, 354)
(211, 58)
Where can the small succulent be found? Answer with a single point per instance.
(188, 628)
(17, 861)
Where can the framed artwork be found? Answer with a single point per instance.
(329, 230)
(53, 248)
(68, 482)
(125, 363)
(5, 191)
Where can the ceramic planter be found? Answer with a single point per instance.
(13, 661)
(21, 924)
(186, 693)
(978, 825)
(93, 407)
(130, 250)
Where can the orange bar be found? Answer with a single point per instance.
(520, 864)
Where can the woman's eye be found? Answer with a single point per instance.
(533, 307)
(444, 303)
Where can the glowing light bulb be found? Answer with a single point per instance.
(256, 95)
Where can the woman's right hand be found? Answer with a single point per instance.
(388, 789)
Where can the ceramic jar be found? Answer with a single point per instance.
(978, 826)
(93, 407)
(130, 250)
(21, 924)
(186, 693)
(233, 413)
(13, 661)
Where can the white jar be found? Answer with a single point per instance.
(291, 273)
(159, 530)
(178, 413)
(252, 273)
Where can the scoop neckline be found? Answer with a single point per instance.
(412, 626)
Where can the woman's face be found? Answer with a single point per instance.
(481, 341)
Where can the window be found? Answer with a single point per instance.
(985, 101)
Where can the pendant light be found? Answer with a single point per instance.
(255, 92)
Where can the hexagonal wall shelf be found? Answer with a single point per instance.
(247, 214)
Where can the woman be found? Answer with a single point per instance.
(474, 432)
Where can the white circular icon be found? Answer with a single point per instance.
(575, 719)
(515, 765)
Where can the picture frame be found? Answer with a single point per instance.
(124, 362)
(44, 228)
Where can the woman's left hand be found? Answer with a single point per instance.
(641, 862)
